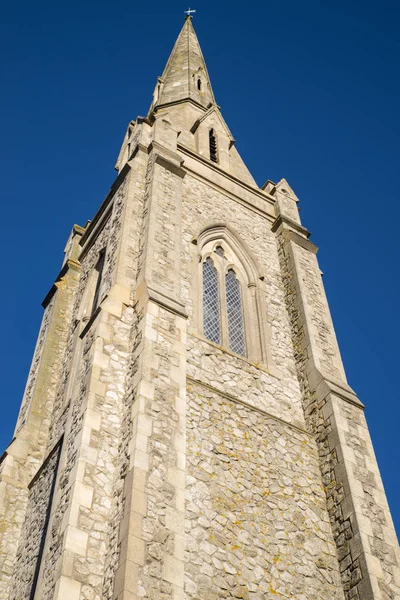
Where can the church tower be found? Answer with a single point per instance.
(187, 431)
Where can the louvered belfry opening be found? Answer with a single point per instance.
(213, 146)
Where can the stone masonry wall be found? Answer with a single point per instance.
(274, 390)
(113, 241)
(68, 416)
(238, 509)
(256, 515)
(101, 519)
(132, 219)
(35, 365)
(128, 265)
(357, 506)
(88, 409)
(62, 497)
(227, 372)
(61, 400)
(162, 522)
(151, 535)
(382, 542)
(40, 497)
(121, 461)
(13, 499)
(26, 453)
(341, 527)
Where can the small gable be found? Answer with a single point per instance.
(215, 142)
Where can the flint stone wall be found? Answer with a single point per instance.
(40, 497)
(256, 518)
(203, 206)
(37, 356)
(356, 503)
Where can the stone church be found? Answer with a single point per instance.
(187, 431)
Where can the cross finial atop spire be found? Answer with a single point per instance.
(189, 12)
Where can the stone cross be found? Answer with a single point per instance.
(189, 11)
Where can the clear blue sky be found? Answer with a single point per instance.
(310, 91)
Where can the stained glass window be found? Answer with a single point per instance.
(235, 314)
(211, 311)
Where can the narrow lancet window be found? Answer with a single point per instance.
(213, 146)
(211, 310)
(99, 273)
(199, 85)
(235, 314)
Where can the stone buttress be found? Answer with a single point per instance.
(187, 430)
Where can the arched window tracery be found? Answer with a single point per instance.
(232, 297)
(222, 295)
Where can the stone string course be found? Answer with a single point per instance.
(223, 371)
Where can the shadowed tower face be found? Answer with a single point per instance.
(187, 430)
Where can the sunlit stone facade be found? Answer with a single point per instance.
(187, 431)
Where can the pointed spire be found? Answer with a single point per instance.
(185, 75)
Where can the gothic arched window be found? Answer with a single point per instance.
(222, 297)
(211, 307)
(234, 312)
(232, 297)
(199, 84)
